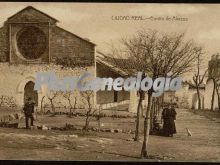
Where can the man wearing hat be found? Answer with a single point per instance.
(28, 112)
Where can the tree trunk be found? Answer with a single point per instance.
(151, 115)
(41, 104)
(142, 110)
(213, 95)
(136, 138)
(144, 153)
(52, 107)
(74, 106)
(71, 112)
(87, 122)
(99, 118)
(217, 91)
(2, 101)
(158, 107)
(218, 102)
(70, 107)
(199, 99)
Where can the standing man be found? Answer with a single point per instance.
(28, 112)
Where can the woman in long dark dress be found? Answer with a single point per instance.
(168, 116)
(173, 117)
(165, 119)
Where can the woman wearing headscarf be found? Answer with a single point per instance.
(172, 122)
(168, 117)
(165, 120)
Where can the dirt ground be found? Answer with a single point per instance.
(203, 145)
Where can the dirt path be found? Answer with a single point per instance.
(203, 145)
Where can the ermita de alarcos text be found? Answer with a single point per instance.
(87, 81)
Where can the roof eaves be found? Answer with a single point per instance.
(76, 36)
(31, 7)
(115, 69)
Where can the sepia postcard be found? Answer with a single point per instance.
(109, 82)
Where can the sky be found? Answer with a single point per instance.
(96, 21)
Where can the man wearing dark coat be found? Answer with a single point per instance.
(28, 112)
(168, 117)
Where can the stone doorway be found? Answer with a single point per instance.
(29, 92)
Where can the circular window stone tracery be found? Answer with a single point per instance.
(31, 42)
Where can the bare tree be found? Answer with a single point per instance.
(98, 117)
(72, 107)
(218, 93)
(139, 108)
(198, 78)
(216, 87)
(156, 55)
(156, 104)
(2, 101)
(41, 104)
(51, 96)
(128, 59)
(213, 92)
(7, 101)
(214, 77)
(87, 97)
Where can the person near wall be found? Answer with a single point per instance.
(172, 120)
(28, 112)
(168, 117)
(165, 120)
